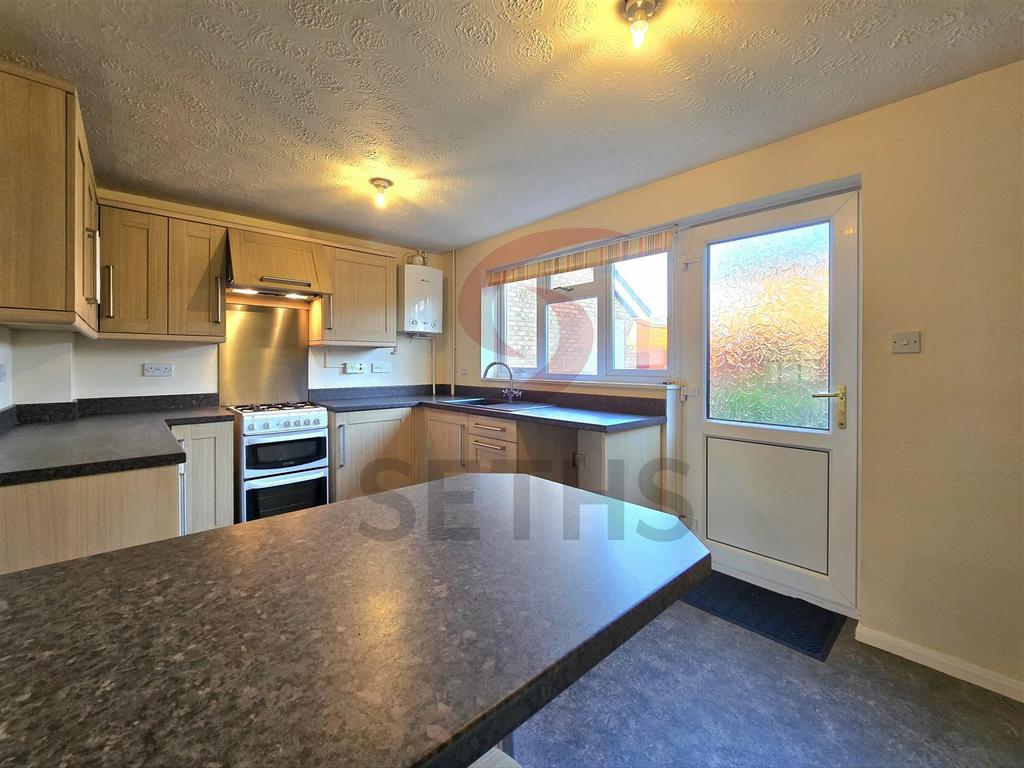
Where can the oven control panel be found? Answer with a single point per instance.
(269, 423)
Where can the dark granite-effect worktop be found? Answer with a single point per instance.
(31, 453)
(571, 418)
(410, 628)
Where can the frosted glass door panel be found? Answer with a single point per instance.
(768, 328)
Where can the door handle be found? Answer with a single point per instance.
(94, 235)
(220, 299)
(488, 445)
(285, 280)
(343, 445)
(110, 289)
(330, 311)
(488, 427)
(840, 395)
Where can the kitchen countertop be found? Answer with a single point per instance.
(559, 416)
(410, 628)
(32, 453)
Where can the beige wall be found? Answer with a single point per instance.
(941, 436)
(6, 358)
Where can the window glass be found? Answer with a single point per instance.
(640, 313)
(572, 337)
(520, 313)
(569, 279)
(768, 325)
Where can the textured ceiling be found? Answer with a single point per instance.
(487, 113)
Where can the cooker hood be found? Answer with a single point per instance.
(272, 266)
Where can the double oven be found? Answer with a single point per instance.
(282, 459)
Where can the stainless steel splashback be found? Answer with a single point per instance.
(265, 357)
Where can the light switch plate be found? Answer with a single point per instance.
(3, 372)
(380, 367)
(906, 342)
(355, 367)
(158, 369)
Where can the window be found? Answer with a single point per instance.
(605, 321)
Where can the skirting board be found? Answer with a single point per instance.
(950, 665)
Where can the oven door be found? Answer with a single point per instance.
(264, 455)
(269, 496)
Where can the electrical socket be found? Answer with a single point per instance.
(380, 367)
(355, 367)
(158, 369)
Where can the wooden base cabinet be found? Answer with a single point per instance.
(623, 465)
(371, 451)
(206, 493)
(42, 523)
(441, 436)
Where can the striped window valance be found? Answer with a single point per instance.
(594, 255)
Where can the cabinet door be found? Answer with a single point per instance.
(445, 444)
(134, 271)
(486, 455)
(195, 265)
(273, 261)
(363, 301)
(377, 452)
(209, 475)
(33, 195)
(82, 280)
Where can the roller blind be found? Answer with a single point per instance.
(594, 255)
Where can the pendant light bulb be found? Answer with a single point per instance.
(638, 13)
(380, 197)
(638, 29)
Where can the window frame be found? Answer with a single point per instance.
(600, 288)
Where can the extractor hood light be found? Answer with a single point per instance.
(246, 291)
(637, 12)
(299, 296)
(380, 197)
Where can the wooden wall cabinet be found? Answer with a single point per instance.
(195, 266)
(133, 264)
(206, 493)
(360, 305)
(372, 451)
(47, 205)
(42, 523)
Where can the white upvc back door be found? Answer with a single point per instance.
(770, 318)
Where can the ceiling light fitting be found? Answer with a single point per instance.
(382, 186)
(637, 12)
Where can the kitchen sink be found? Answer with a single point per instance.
(497, 405)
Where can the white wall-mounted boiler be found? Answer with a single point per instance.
(420, 299)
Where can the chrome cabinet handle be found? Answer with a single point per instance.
(840, 395)
(343, 444)
(462, 443)
(219, 317)
(182, 496)
(330, 312)
(489, 427)
(488, 445)
(285, 280)
(92, 232)
(110, 291)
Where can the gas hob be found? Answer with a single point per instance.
(270, 418)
